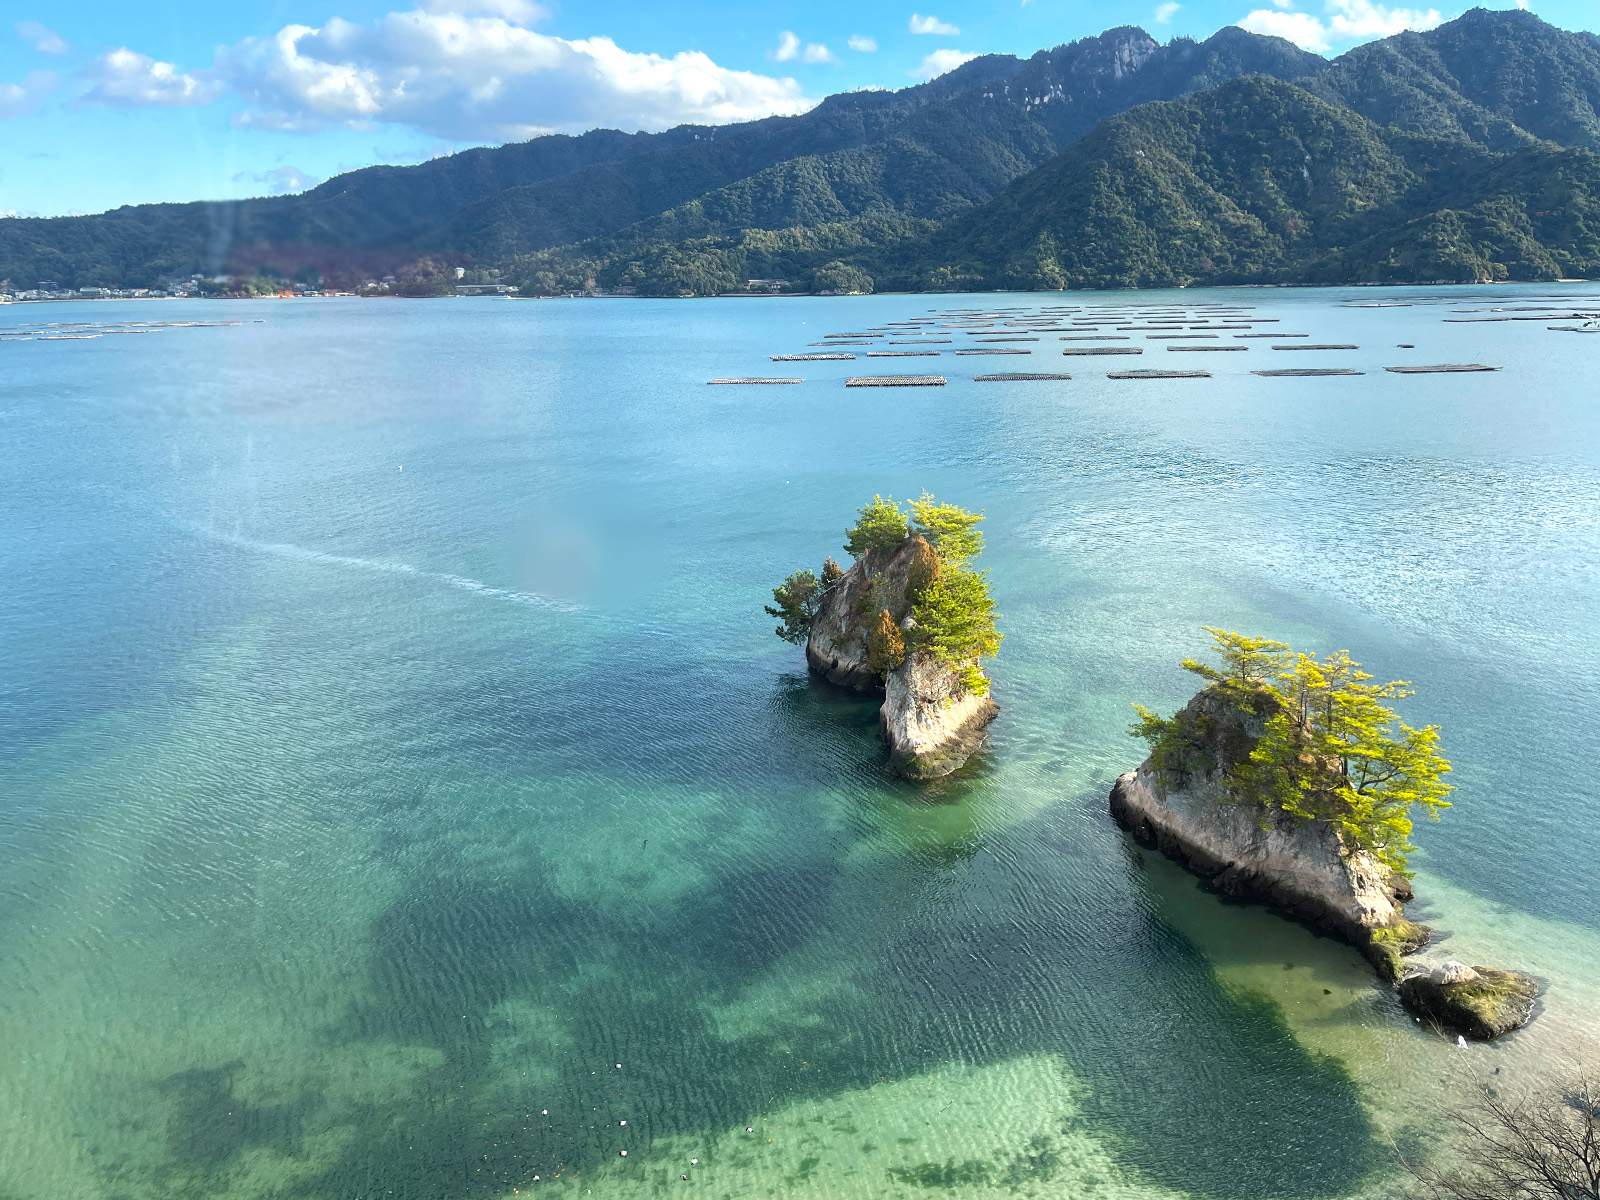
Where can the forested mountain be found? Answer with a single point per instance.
(1501, 79)
(490, 204)
(1260, 181)
(1458, 153)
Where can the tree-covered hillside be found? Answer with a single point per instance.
(1498, 78)
(483, 207)
(1260, 181)
(1064, 169)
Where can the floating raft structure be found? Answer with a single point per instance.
(754, 380)
(1304, 346)
(1016, 377)
(1087, 350)
(1201, 349)
(1158, 374)
(1006, 339)
(924, 342)
(995, 351)
(841, 343)
(905, 353)
(1270, 335)
(1308, 372)
(813, 357)
(1098, 337)
(1575, 328)
(1441, 369)
(895, 381)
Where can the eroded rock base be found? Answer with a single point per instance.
(1294, 867)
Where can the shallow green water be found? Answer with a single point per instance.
(371, 831)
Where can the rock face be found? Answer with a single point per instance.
(1305, 868)
(1479, 1002)
(837, 647)
(933, 726)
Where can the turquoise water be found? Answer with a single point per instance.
(400, 785)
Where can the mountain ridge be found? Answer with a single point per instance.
(897, 184)
(382, 214)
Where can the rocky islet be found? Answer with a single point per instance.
(1186, 802)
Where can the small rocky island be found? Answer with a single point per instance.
(909, 618)
(1288, 780)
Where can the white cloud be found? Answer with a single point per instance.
(1165, 12)
(279, 180)
(1365, 19)
(1303, 29)
(45, 41)
(19, 99)
(863, 45)
(1347, 20)
(470, 76)
(518, 12)
(939, 62)
(789, 49)
(931, 24)
(125, 79)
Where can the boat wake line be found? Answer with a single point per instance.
(305, 554)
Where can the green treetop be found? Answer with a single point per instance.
(880, 526)
(950, 605)
(797, 600)
(1331, 748)
(949, 529)
(955, 619)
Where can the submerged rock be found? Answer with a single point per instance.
(1479, 1002)
(1308, 869)
(931, 721)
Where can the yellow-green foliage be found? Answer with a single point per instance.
(950, 529)
(955, 622)
(953, 610)
(1331, 750)
(880, 526)
(886, 645)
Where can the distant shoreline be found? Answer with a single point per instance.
(1437, 283)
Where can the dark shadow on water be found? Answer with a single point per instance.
(1187, 1086)
(208, 1124)
(817, 714)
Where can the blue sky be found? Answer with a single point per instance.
(106, 103)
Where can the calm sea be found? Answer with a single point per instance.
(401, 787)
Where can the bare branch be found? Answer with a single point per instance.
(1539, 1145)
